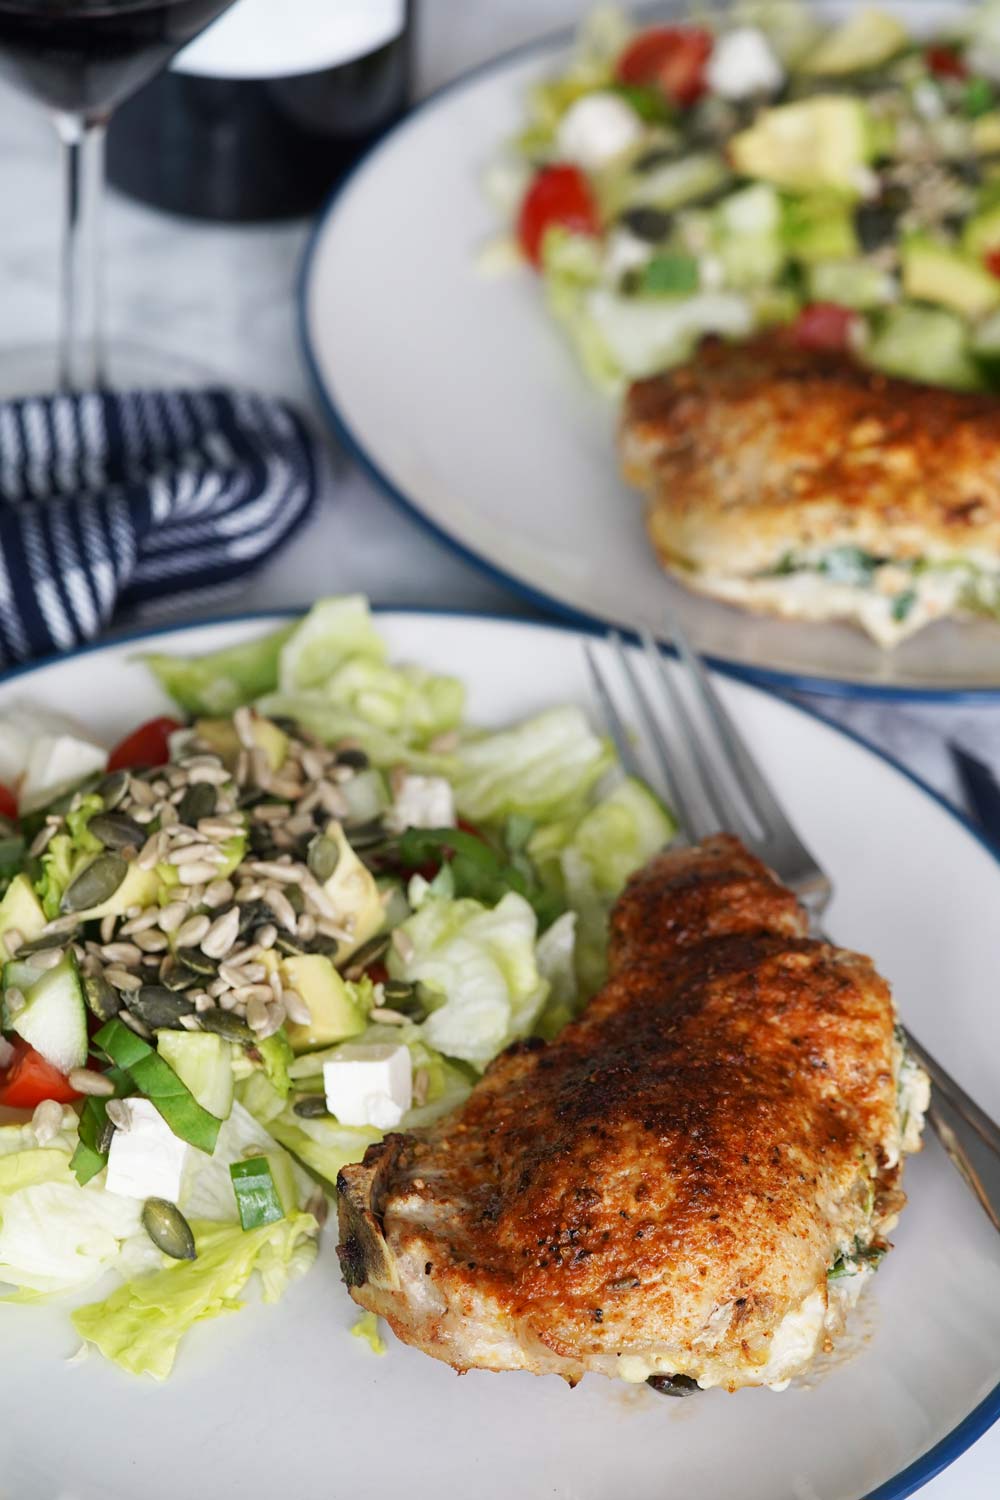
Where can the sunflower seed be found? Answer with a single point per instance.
(244, 726)
(250, 892)
(191, 932)
(387, 1016)
(260, 767)
(48, 958)
(311, 1106)
(120, 1115)
(122, 979)
(266, 935)
(196, 873)
(86, 1081)
(140, 791)
(156, 1006)
(286, 874)
(269, 812)
(222, 934)
(46, 1121)
(151, 942)
(14, 1001)
(95, 884)
(403, 944)
(121, 953)
(168, 1229)
(197, 802)
(13, 940)
(306, 804)
(189, 854)
(281, 907)
(223, 1023)
(296, 1008)
(101, 998)
(217, 893)
(116, 830)
(265, 1023)
(202, 1000)
(318, 897)
(421, 1084)
(142, 923)
(40, 842)
(151, 852)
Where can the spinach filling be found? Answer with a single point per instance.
(849, 1263)
(856, 568)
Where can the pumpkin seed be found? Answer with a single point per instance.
(369, 953)
(55, 939)
(356, 759)
(225, 1024)
(405, 997)
(197, 802)
(102, 999)
(322, 857)
(197, 962)
(368, 835)
(311, 1106)
(168, 1229)
(96, 884)
(112, 788)
(158, 1006)
(117, 830)
(673, 1385)
(176, 977)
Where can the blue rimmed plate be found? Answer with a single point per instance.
(282, 1400)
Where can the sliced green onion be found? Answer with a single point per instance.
(257, 1197)
(669, 275)
(158, 1082)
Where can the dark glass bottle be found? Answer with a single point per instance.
(261, 116)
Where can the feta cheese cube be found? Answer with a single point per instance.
(424, 802)
(55, 762)
(597, 129)
(369, 1085)
(146, 1160)
(742, 64)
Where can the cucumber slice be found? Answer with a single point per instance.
(677, 182)
(202, 1062)
(365, 795)
(54, 1019)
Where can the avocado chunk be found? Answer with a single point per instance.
(818, 227)
(986, 134)
(335, 1016)
(203, 1063)
(934, 272)
(851, 283)
(220, 735)
(866, 40)
(355, 894)
(924, 343)
(812, 143)
(981, 233)
(21, 910)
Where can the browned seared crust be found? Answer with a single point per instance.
(670, 1176)
(748, 451)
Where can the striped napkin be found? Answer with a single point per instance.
(110, 503)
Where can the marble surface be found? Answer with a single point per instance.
(226, 296)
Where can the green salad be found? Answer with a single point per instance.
(759, 168)
(310, 908)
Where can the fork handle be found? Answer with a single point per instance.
(964, 1106)
(978, 1166)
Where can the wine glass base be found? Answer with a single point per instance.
(33, 370)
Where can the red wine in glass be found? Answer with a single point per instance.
(81, 58)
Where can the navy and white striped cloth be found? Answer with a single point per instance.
(112, 502)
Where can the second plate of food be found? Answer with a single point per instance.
(465, 400)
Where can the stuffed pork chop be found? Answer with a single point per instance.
(798, 482)
(691, 1184)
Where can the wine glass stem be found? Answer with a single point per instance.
(81, 352)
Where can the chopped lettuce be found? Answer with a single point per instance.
(556, 958)
(222, 680)
(544, 767)
(67, 853)
(334, 631)
(331, 722)
(367, 1330)
(404, 700)
(479, 970)
(141, 1324)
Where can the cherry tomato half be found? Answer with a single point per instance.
(146, 746)
(991, 260)
(8, 802)
(670, 58)
(823, 325)
(30, 1079)
(946, 62)
(558, 195)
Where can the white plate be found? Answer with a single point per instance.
(280, 1401)
(464, 401)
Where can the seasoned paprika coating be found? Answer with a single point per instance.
(663, 1187)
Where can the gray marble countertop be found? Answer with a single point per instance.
(228, 295)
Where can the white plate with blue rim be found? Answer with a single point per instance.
(280, 1400)
(463, 400)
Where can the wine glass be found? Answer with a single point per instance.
(81, 58)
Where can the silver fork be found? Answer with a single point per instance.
(716, 785)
